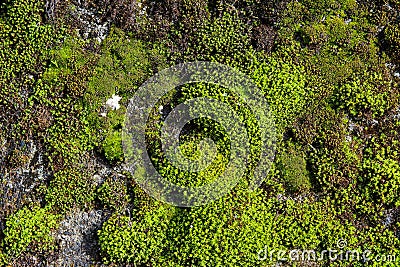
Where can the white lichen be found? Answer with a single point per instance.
(113, 102)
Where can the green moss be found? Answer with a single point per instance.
(373, 95)
(69, 189)
(293, 169)
(137, 240)
(113, 194)
(112, 144)
(123, 65)
(326, 71)
(392, 39)
(112, 147)
(285, 88)
(29, 229)
(222, 39)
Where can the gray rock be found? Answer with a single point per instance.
(77, 239)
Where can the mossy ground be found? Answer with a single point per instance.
(327, 69)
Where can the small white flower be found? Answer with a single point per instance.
(103, 114)
(113, 102)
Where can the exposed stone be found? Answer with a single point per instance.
(77, 239)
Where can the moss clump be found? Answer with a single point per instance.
(392, 39)
(138, 240)
(112, 146)
(70, 188)
(292, 166)
(29, 228)
(124, 64)
(113, 194)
